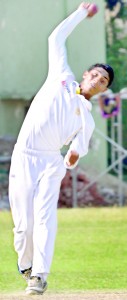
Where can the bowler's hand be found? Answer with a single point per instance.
(72, 157)
(91, 8)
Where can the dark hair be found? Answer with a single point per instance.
(107, 68)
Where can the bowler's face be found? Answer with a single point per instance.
(95, 81)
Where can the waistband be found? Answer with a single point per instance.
(34, 152)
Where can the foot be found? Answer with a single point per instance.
(36, 286)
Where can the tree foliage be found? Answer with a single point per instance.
(116, 34)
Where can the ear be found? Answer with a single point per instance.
(85, 74)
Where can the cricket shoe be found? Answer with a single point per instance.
(36, 286)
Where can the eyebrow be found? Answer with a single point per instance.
(106, 78)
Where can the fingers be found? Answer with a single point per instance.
(84, 5)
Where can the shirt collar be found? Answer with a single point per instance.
(87, 103)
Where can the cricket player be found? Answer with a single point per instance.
(60, 114)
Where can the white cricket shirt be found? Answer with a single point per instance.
(57, 115)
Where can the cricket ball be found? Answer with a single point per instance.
(92, 10)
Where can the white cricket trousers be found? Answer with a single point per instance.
(34, 185)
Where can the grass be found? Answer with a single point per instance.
(90, 252)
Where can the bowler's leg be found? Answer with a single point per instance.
(21, 195)
(45, 219)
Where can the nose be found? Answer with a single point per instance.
(95, 81)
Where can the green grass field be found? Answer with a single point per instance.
(90, 252)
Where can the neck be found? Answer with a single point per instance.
(85, 94)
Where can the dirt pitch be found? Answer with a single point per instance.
(73, 296)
